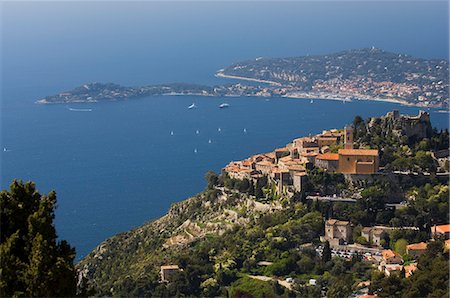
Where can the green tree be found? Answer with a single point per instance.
(400, 246)
(211, 179)
(341, 287)
(326, 254)
(33, 262)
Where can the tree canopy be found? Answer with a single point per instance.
(33, 261)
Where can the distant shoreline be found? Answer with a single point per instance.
(220, 74)
(293, 95)
(338, 97)
(329, 96)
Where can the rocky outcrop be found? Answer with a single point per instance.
(413, 127)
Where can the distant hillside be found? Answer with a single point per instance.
(366, 71)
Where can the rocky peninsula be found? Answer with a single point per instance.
(362, 74)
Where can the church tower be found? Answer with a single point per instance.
(348, 137)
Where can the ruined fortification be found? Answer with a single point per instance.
(414, 127)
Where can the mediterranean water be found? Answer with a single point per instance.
(119, 165)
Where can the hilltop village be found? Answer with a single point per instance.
(355, 212)
(286, 167)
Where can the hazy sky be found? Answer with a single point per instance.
(188, 41)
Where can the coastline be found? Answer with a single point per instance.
(296, 95)
(331, 96)
(310, 95)
(337, 97)
(220, 74)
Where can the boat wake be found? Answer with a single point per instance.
(80, 110)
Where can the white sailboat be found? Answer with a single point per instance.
(209, 141)
(224, 105)
(195, 150)
(171, 133)
(245, 130)
(219, 130)
(197, 131)
(312, 101)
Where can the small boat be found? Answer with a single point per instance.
(219, 130)
(4, 149)
(192, 106)
(171, 133)
(195, 150)
(245, 130)
(224, 105)
(209, 141)
(312, 101)
(197, 131)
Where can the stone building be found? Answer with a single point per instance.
(415, 250)
(391, 257)
(358, 161)
(337, 231)
(327, 161)
(168, 271)
(417, 127)
(348, 137)
(373, 235)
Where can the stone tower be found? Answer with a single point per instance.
(348, 137)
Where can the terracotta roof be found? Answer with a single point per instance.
(328, 156)
(387, 254)
(442, 228)
(366, 229)
(231, 168)
(311, 153)
(247, 163)
(369, 152)
(393, 267)
(270, 155)
(337, 222)
(297, 168)
(378, 231)
(286, 158)
(368, 296)
(409, 269)
(327, 138)
(170, 267)
(417, 246)
(281, 149)
(264, 163)
(254, 157)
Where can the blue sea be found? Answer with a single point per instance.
(124, 163)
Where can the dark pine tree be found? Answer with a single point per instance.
(326, 254)
(33, 262)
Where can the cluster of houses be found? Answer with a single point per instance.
(286, 166)
(338, 233)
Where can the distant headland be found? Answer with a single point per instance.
(361, 74)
